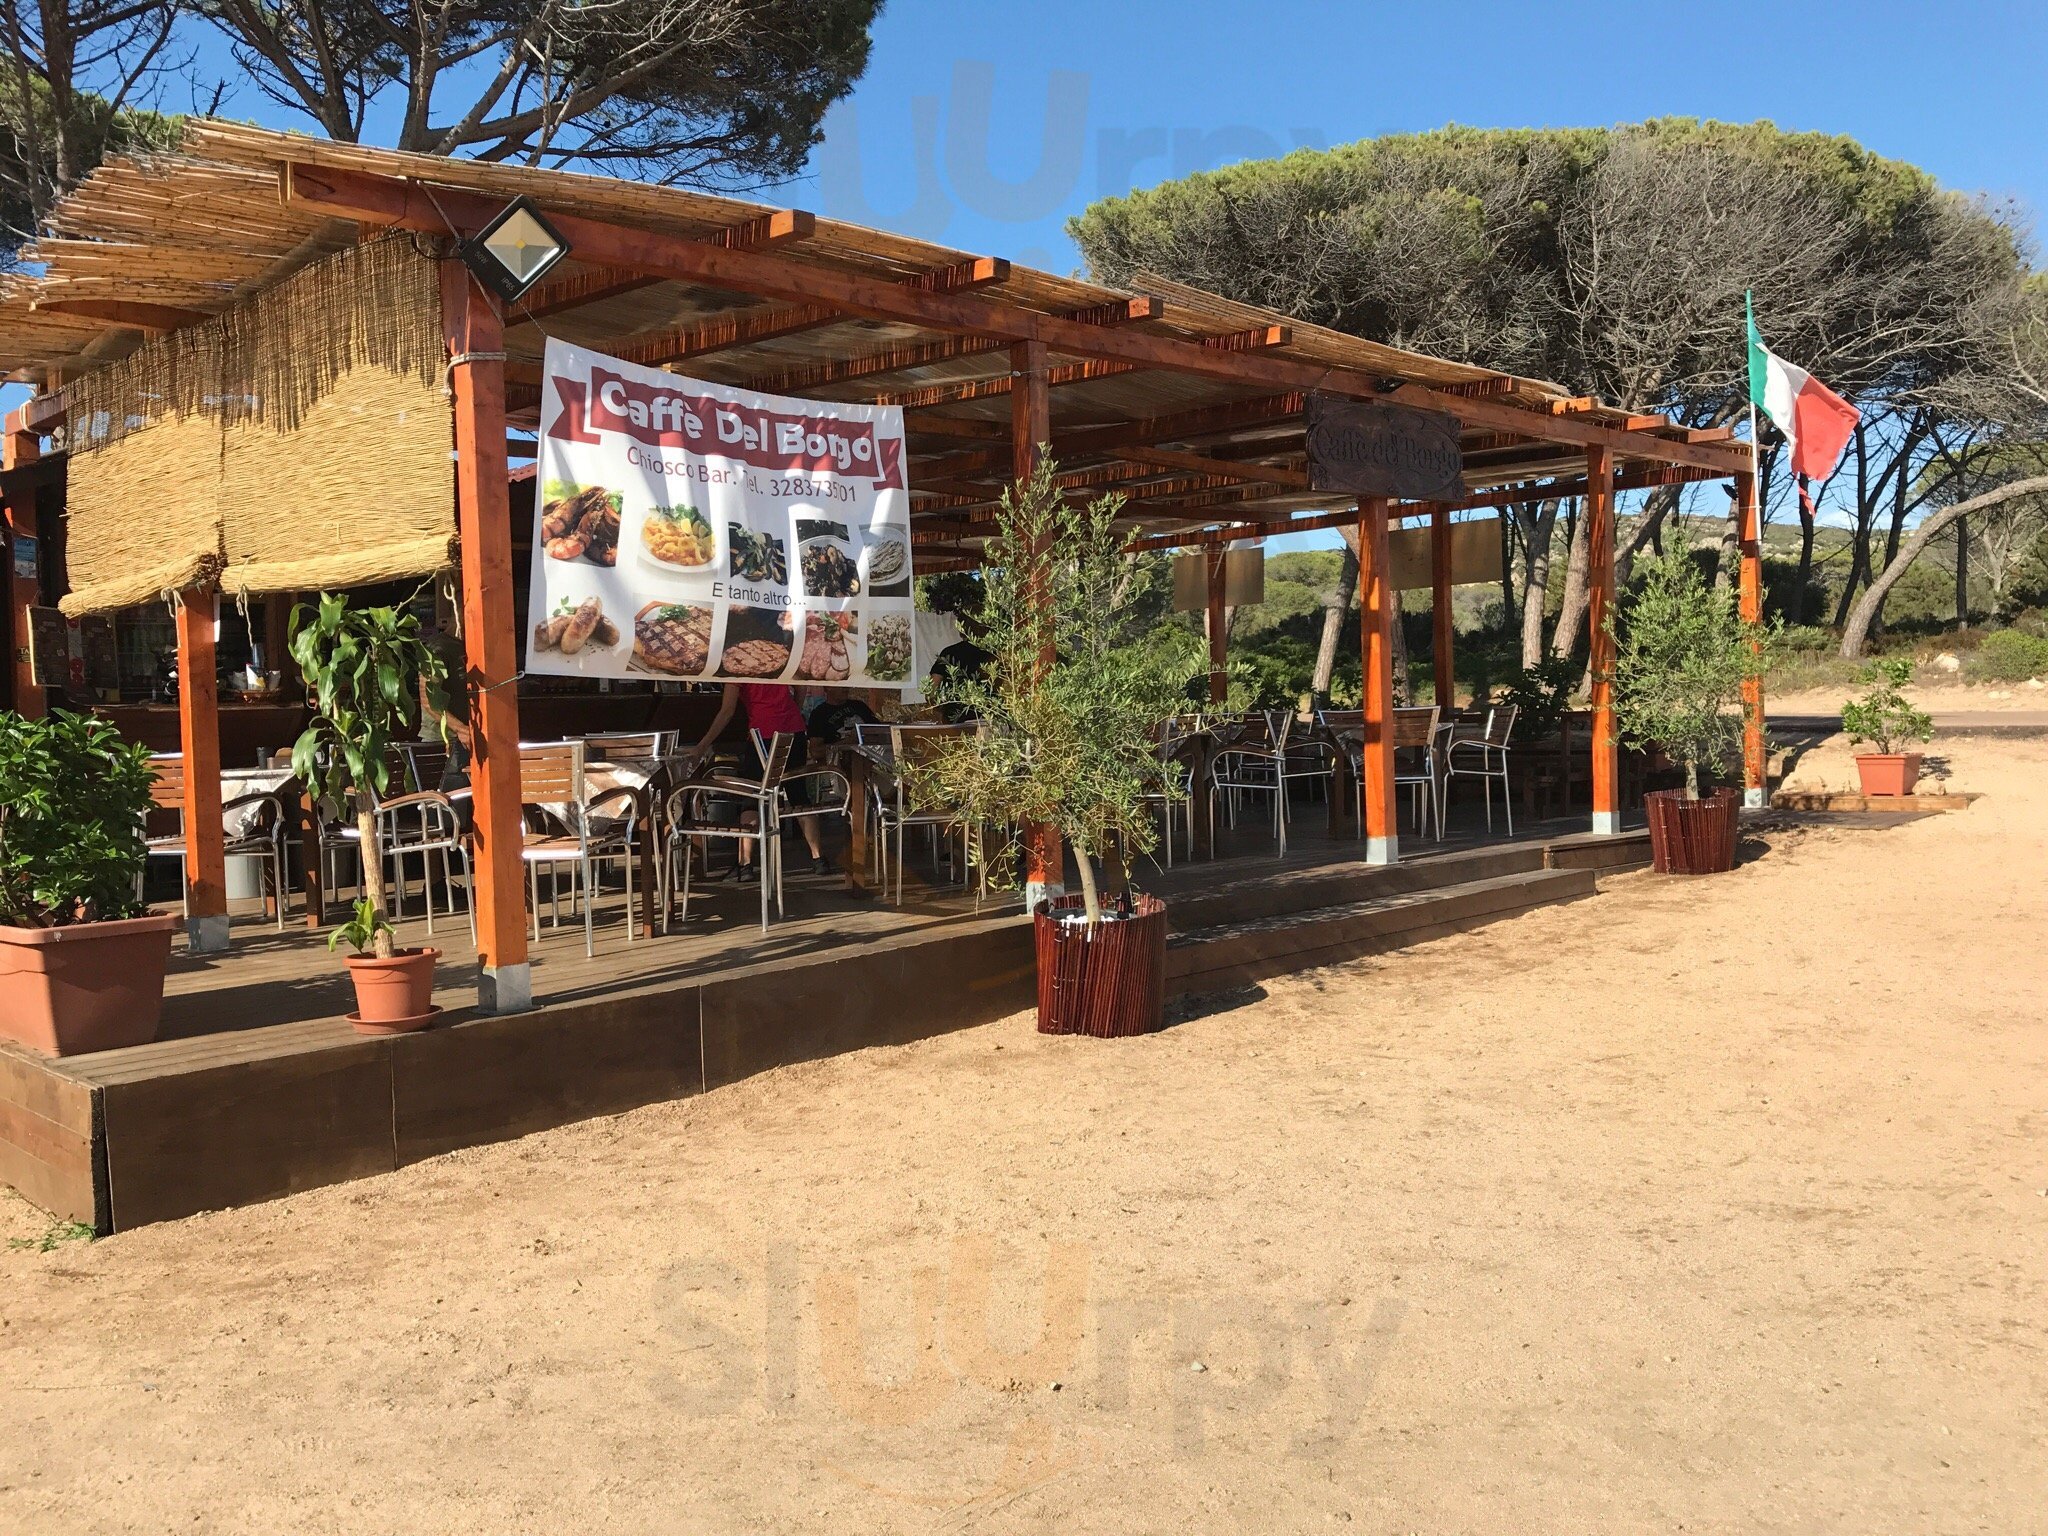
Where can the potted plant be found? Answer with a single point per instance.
(363, 669)
(81, 962)
(1069, 712)
(1885, 719)
(1680, 664)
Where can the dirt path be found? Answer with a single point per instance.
(1713, 1207)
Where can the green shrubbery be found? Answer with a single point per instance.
(2011, 656)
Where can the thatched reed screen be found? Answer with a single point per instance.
(300, 440)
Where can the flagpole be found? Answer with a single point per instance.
(1757, 489)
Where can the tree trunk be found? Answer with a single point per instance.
(1802, 608)
(1400, 654)
(1091, 899)
(1962, 571)
(373, 873)
(1333, 627)
(1578, 594)
(1539, 520)
(1507, 573)
(1855, 634)
(1728, 562)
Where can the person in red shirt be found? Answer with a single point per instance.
(768, 708)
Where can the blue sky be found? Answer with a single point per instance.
(986, 126)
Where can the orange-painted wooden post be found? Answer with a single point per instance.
(1030, 431)
(1376, 650)
(1216, 558)
(476, 350)
(1599, 617)
(206, 890)
(18, 449)
(1755, 785)
(1440, 605)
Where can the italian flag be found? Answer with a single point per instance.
(1815, 420)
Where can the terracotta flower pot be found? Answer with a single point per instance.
(394, 996)
(1107, 985)
(1888, 773)
(1692, 837)
(88, 987)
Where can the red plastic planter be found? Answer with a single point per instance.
(1108, 985)
(393, 996)
(1892, 773)
(1692, 837)
(86, 987)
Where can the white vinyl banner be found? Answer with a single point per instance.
(687, 530)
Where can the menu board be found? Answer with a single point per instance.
(685, 530)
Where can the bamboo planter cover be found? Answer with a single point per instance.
(1692, 837)
(1109, 986)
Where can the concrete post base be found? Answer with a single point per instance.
(505, 988)
(1036, 891)
(1754, 799)
(1383, 850)
(207, 935)
(1606, 823)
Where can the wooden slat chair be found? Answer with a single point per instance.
(1415, 735)
(258, 826)
(623, 746)
(606, 828)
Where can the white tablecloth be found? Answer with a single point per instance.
(237, 782)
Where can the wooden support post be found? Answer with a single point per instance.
(1376, 618)
(206, 889)
(1030, 434)
(1217, 557)
(1599, 620)
(476, 347)
(1440, 605)
(1756, 789)
(19, 449)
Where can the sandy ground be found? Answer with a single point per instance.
(1938, 699)
(1708, 1206)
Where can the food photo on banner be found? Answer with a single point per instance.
(687, 531)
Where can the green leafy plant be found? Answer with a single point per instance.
(362, 930)
(1541, 695)
(1683, 654)
(73, 795)
(1883, 717)
(2010, 656)
(361, 667)
(54, 1237)
(1071, 705)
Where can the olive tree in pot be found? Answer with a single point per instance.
(1885, 719)
(1070, 711)
(81, 962)
(1683, 655)
(363, 667)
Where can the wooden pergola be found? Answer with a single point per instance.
(1190, 405)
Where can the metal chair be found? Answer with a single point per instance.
(1248, 767)
(1174, 739)
(253, 826)
(550, 777)
(688, 822)
(1484, 756)
(787, 809)
(897, 810)
(1415, 733)
(425, 824)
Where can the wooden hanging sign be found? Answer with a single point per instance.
(1367, 448)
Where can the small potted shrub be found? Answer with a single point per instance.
(1886, 720)
(81, 963)
(363, 669)
(1069, 711)
(1682, 657)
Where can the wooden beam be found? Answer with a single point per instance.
(1442, 630)
(1263, 474)
(1599, 507)
(782, 227)
(19, 450)
(1377, 616)
(812, 376)
(155, 319)
(206, 891)
(1575, 406)
(750, 327)
(1216, 568)
(1071, 373)
(773, 275)
(475, 337)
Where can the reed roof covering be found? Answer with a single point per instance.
(153, 245)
